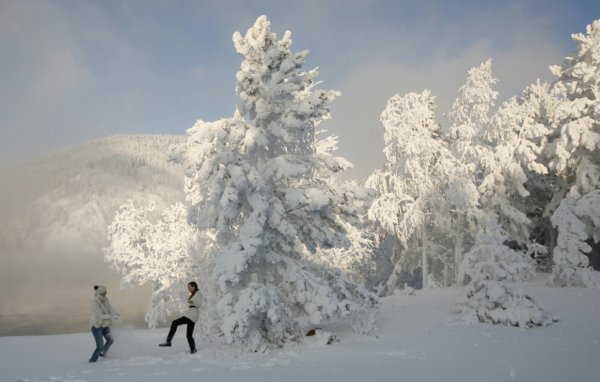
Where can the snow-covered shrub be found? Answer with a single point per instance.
(570, 262)
(492, 272)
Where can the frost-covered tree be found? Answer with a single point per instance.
(494, 148)
(521, 123)
(492, 293)
(457, 218)
(520, 130)
(570, 263)
(470, 117)
(497, 149)
(574, 148)
(517, 134)
(356, 260)
(416, 169)
(258, 181)
(578, 90)
(150, 246)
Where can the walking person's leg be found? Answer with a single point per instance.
(174, 325)
(109, 340)
(190, 335)
(97, 333)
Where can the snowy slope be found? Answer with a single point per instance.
(54, 212)
(71, 194)
(419, 340)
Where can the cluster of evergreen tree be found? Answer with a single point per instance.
(477, 202)
(279, 244)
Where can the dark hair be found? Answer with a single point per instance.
(195, 286)
(96, 287)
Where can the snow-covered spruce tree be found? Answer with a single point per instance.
(516, 133)
(520, 130)
(521, 123)
(416, 169)
(575, 160)
(469, 117)
(150, 246)
(490, 156)
(457, 219)
(259, 183)
(356, 260)
(496, 150)
(492, 293)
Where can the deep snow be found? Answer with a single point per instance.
(419, 340)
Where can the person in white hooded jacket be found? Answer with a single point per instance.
(189, 318)
(102, 315)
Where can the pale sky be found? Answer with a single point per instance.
(71, 71)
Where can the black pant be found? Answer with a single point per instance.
(189, 332)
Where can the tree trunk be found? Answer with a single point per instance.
(424, 257)
(457, 258)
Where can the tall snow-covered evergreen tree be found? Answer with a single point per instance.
(520, 130)
(356, 260)
(258, 181)
(495, 148)
(517, 136)
(574, 148)
(469, 117)
(489, 146)
(416, 169)
(457, 219)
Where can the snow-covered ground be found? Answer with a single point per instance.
(419, 340)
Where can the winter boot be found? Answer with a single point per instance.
(192, 344)
(167, 343)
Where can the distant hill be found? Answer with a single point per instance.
(54, 212)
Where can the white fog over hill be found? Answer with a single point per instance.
(54, 212)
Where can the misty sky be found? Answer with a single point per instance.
(72, 70)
